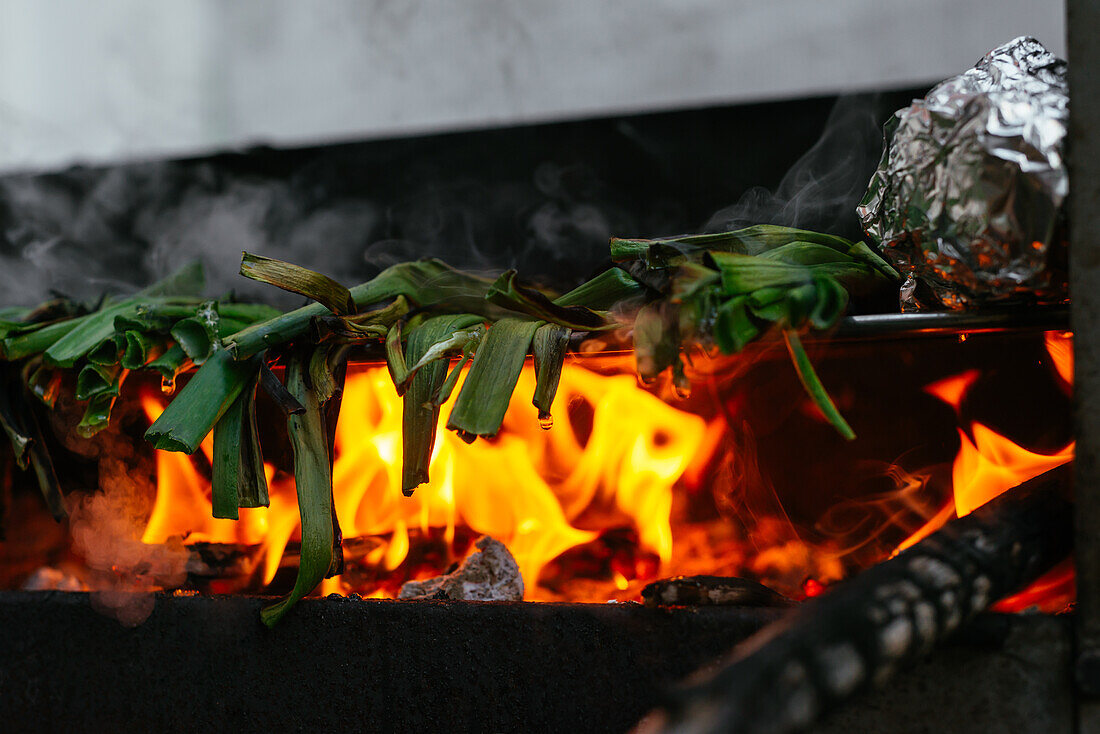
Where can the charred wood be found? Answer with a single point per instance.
(220, 560)
(208, 561)
(859, 634)
(730, 591)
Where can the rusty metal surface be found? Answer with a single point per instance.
(207, 664)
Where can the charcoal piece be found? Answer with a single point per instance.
(696, 591)
(220, 560)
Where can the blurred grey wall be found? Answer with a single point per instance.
(116, 80)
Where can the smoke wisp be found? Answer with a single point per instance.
(821, 190)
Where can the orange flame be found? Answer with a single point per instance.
(537, 491)
(1060, 347)
(990, 464)
(182, 505)
(952, 390)
(610, 462)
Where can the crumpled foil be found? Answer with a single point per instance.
(967, 199)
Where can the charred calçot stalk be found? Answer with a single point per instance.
(710, 291)
(862, 632)
(727, 289)
(420, 412)
(237, 476)
(313, 479)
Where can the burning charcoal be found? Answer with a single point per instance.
(728, 591)
(219, 560)
(489, 574)
(967, 200)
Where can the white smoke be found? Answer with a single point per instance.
(86, 232)
(821, 190)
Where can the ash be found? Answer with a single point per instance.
(488, 574)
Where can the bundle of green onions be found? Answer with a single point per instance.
(712, 290)
(727, 289)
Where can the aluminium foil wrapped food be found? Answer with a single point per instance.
(967, 199)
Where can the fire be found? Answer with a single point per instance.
(1060, 347)
(182, 505)
(953, 389)
(606, 471)
(989, 464)
(992, 464)
(610, 460)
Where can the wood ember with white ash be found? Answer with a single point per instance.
(488, 574)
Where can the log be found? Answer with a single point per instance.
(208, 561)
(865, 629)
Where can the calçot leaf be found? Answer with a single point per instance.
(192, 414)
(238, 478)
(509, 293)
(313, 480)
(548, 346)
(420, 415)
(656, 338)
(812, 383)
(485, 394)
(424, 283)
(296, 279)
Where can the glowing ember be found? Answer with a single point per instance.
(812, 588)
